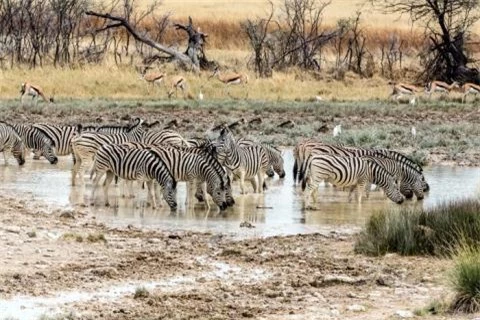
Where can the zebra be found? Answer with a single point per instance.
(321, 148)
(165, 137)
(116, 129)
(193, 167)
(351, 172)
(36, 140)
(11, 140)
(60, 135)
(86, 145)
(410, 181)
(133, 164)
(275, 158)
(245, 162)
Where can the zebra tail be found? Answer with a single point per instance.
(295, 170)
(305, 171)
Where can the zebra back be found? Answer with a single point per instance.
(61, 136)
(165, 137)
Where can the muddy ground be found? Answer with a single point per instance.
(44, 251)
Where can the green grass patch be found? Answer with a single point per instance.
(96, 237)
(465, 278)
(432, 231)
(141, 292)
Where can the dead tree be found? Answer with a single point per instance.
(257, 32)
(184, 59)
(196, 41)
(447, 24)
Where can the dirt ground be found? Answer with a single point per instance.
(46, 252)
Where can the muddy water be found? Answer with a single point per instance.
(278, 211)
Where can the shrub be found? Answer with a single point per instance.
(432, 231)
(465, 279)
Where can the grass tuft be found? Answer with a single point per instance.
(96, 237)
(432, 231)
(465, 278)
(141, 292)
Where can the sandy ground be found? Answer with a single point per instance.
(45, 251)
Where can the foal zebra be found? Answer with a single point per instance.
(11, 141)
(243, 161)
(36, 140)
(193, 167)
(351, 172)
(133, 164)
(87, 144)
(275, 158)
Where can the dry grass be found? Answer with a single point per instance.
(124, 83)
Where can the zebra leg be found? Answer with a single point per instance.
(358, 191)
(261, 181)
(151, 194)
(350, 194)
(76, 168)
(5, 157)
(106, 184)
(129, 184)
(204, 191)
(96, 182)
(158, 193)
(242, 182)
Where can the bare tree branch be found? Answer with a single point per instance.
(184, 59)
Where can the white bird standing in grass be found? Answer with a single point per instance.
(337, 130)
(413, 101)
(200, 95)
(414, 132)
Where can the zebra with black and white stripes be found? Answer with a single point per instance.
(193, 167)
(133, 164)
(316, 148)
(410, 181)
(246, 162)
(86, 145)
(275, 158)
(60, 135)
(37, 141)
(10, 140)
(351, 172)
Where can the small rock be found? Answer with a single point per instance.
(13, 229)
(67, 214)
(246, 224)
(31, 234)
(404, 314)
(154, 240)
(356, 308)
(108, 272)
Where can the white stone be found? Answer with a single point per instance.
(404, 314)
(356, 308)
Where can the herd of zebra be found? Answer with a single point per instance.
(161, 158)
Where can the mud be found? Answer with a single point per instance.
(56, 261)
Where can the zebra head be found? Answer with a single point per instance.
(218, 193)
(278, 167)
(169, 189)
(225, 143)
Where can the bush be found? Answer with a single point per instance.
(433, 231)
(465, 279)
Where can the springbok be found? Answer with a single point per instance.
(402, 89)
(469, 88)
(231, 79)
(28, 89)
(440, 86)
(177, 82)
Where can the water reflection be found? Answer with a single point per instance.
(278, 211)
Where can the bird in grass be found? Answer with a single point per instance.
(200, 94)
(414, 132)
(337, 130)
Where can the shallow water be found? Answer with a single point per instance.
(278, 211)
